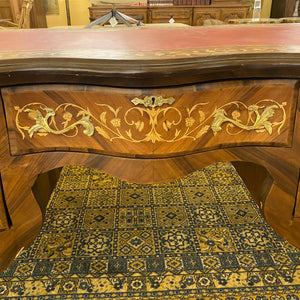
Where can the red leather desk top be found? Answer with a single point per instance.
(148, 39)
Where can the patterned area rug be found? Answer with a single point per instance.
(200, 237)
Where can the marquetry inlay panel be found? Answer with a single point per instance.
(149, 122)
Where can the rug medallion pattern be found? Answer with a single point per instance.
(200, 237)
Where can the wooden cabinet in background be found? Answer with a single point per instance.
(283, 8)
(190, 15)
(10, 9)
(200, 15)
(181, 14)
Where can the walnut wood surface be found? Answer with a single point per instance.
(268, 164)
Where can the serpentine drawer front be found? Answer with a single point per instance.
(149, 122)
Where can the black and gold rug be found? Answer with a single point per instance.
(200, 237)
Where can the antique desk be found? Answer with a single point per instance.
(148, 105)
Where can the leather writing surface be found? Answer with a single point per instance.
(150, 39)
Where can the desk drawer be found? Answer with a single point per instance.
(150, 122)
(164, 14)
(234, 13)
(200, 15)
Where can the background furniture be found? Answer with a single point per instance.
(22, 19)
(191, 15)
(12, 10)
(282, 8)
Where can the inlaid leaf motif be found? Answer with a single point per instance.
(139, 125)
(177, 132)
(82, 113)
(103, 117)
(129, 133)
(101, 131)
(201, 116)
(202, 131)
(167, 125)
(268, 126)
(32, 115)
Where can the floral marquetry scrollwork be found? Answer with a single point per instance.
(261, 122)
(150, 120)
(45, 123)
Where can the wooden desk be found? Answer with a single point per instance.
(148, 107)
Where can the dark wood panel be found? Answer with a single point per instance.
(282, 8)
(44, 186)
(38, 15)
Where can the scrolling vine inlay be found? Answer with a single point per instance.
(154, 124)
